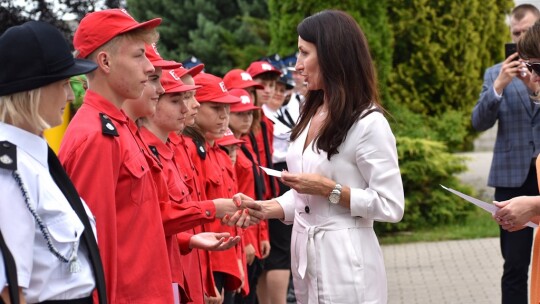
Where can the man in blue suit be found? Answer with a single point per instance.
(506, 97)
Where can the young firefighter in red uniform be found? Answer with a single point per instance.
(170, 117)
(251, 183)
(106, 164)
(227, 159)
(210, 125)
(201, 282)
(262, 130)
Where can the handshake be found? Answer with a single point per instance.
(240, 210)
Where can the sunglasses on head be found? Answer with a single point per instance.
(533, 66)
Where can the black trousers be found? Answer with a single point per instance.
(516, 247)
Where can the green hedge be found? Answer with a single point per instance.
(425, 165)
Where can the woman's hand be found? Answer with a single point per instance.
(241, 210)
(516, 212)
(308, 183)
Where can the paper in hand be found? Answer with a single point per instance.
(491, 208)
(271, 172)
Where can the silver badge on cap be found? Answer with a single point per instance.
(109, 126)
(5, 159)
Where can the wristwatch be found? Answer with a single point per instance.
(335, 195)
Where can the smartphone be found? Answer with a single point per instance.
(509, 49)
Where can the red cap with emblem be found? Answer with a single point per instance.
(213, 90)
(98, 28)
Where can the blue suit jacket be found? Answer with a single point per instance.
(518, 129)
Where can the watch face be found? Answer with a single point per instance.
(334, 197)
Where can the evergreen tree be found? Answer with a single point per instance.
(221, 33)
(42, 10)
(372, 17)
(441, 51)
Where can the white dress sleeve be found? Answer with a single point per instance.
(376, 157)
(287, 202)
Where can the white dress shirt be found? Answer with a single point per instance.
(40, 273)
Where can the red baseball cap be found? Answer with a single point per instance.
(153, 55)
(229, 139)
(213, 89)
(193, 71)
(245, 104)
(240, 79)
(172, 84)
(98, 28)
(260, 67)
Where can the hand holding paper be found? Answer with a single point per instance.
(271, 172)
(486, 206)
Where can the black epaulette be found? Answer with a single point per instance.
(201, 150)
(154, 151)
(8, 156)
(224, 148)
(107, 126)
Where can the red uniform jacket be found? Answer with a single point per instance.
(196, 262)
(212, 178)
(260, 147)
(246, 184)
(108, 168)
(178, 212)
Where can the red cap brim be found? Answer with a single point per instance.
(150, 24)
(224, 99)
(182, 88)
(196, 70)
(166, 64)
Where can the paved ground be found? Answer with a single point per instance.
(465, 271)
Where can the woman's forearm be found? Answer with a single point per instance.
(272, 209)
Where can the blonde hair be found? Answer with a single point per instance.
(149, 36)
(22, 109)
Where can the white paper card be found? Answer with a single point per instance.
(271, 172)
(486, 206)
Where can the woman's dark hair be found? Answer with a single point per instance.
(529, 44)
(348, 77)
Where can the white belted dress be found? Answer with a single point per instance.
(335, 254)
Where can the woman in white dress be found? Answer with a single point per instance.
(343, 168)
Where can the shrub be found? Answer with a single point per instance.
(425, 165)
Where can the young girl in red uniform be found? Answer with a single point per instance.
(200, 271)
(210, 124)
(262, 129)
(251, 183)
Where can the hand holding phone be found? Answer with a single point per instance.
(510, 49)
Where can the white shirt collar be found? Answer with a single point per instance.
(33, 145)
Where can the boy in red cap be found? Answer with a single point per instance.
(107, 165)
